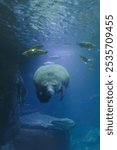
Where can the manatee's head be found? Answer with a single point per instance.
(45, 94)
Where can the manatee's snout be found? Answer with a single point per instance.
(50, 90)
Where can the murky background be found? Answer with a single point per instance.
(58, 25)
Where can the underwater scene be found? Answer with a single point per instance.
(50, 75)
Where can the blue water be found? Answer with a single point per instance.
(59, 25)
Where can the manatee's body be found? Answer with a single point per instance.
(50, 79)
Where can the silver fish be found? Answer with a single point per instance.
(88, 45)
(34, 51)
(85, 59)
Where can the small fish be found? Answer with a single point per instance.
(48, 63)
(88, 45)
(64, 123)
(85, 59)
(54, 57)
(34, 51)
(91, 66)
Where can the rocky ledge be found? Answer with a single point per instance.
(37, 120)
(43, 132)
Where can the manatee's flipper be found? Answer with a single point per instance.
(62, 92)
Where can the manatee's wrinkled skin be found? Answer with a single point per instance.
(50, 79)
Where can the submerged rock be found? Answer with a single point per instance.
(43, 132)
(8, 146)
(64, 123)
(37, 120)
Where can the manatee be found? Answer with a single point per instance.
(50, 79)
